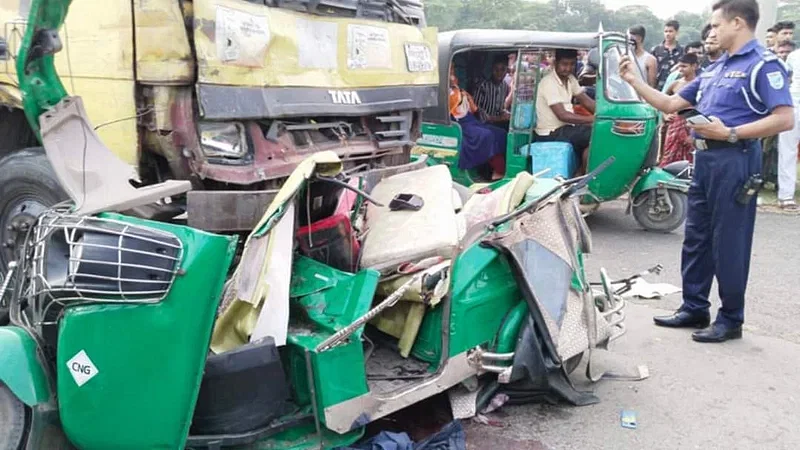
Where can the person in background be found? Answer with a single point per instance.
(788, 142)
(556, 119)
(692, 48)
(512, 69)
(646, 61)
(679, 143)
(784, 31)
(746, 96)
(667, 52)
(481, 143)
(782, 49)
(769, 39)
(490, 95)
(713, 52)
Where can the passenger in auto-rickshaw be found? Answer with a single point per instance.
(556, 119)
(491, 95)
(482, 143)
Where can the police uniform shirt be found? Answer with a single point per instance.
(740, 88)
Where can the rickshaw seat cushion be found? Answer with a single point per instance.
(396, 237)
(557, 156)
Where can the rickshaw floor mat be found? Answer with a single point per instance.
(388, 372)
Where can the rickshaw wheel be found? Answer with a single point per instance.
(654, 219)
(12, 420)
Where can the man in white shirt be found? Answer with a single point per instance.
(555, 116)
(788, 140)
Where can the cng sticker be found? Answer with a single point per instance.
(81, 368)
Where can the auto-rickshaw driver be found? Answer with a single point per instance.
(482, 143)
(556, 119)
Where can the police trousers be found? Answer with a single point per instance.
(719, 231)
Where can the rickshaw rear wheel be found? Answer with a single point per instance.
(655, 218)
(12, 420)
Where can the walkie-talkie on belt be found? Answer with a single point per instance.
(750, 188)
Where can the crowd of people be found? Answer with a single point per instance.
(669, 66)
(565, 103)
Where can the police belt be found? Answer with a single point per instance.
(711, 144)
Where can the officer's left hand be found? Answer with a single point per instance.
(715, 130)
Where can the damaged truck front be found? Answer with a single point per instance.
(228, 94)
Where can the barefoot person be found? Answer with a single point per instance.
(746, 95)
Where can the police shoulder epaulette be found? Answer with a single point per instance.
(769, 56)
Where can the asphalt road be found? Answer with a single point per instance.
(738, 395)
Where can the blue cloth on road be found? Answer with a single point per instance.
(738, 89)
(450, 437)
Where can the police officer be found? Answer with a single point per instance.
(746, 95)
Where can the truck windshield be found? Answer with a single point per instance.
(617, 89)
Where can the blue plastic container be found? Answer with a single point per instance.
(524, 116)
(556, 156)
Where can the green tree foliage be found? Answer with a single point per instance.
(789, 10)
(557, 15)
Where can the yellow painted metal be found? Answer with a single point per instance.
(96, 64)
(281, 63)
(163, 54)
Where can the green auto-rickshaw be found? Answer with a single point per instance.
(624, 127)
(133, 333)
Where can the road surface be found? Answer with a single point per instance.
(738, 395)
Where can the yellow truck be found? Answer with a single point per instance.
(228, 94)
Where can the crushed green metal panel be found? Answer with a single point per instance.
(331, 299)
(325, 300)
(339, 373)
(38, 81)
(483, 291)
(20, 369)
(507, 336)
(149, 359)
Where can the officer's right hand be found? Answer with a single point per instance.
(626, 68)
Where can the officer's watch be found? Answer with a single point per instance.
(732, 137)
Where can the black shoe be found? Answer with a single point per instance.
(682, 319)
(717, 333)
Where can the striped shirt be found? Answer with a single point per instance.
(490, 98)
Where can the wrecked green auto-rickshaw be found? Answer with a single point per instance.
(356, 295)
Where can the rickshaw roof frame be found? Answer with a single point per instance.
(452, 43)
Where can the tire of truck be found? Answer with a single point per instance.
(28, 187)
(16, 131)
(12, 420)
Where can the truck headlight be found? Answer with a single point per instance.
(223, 140)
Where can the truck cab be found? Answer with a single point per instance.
(229, 95)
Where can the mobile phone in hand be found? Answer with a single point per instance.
(694, 116)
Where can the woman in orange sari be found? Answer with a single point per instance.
(481, 143)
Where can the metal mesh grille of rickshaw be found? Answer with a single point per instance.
(91, 259)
